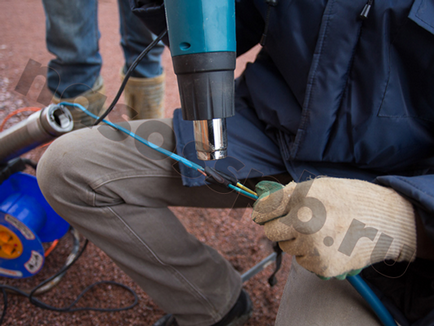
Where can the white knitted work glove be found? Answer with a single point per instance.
(335, 227)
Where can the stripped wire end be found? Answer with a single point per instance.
(203, 172)
(239, 185)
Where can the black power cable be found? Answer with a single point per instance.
(5, 305)
(40, 304)
(128, 74)
(18, 165)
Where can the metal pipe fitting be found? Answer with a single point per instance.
(38, 129)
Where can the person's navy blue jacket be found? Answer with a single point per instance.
(341, 96)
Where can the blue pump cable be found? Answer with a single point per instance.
(365, 291)
(174, 156)
(356, 281)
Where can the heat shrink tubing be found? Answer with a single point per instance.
(39, 128)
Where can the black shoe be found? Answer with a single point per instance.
(167, 320)
(240, 312)
(237, 316)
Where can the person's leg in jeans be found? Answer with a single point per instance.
(74, 75)
(135, 37)
(116, 192)
(144, 92)
(72, 36)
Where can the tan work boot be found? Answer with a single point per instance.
(93, 100)
(144, 97)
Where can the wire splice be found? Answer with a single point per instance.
(230, 182)
(243, 192)
(221, 178)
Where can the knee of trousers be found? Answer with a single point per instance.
(60, 173)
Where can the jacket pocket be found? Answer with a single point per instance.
(409, 89)
(422, 13)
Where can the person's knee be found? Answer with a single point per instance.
(57, 171)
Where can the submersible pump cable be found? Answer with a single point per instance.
(69, 308)
(356, 281)
(159, 149)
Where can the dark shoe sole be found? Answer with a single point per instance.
(241, 320)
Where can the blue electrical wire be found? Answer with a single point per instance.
(356, 281)
(365, 291)
(174, 156)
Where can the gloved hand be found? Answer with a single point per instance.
(337, 226)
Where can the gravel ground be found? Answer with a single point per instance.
(230, 231)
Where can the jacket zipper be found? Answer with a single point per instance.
(365, 12)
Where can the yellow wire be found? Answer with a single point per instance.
(246, 189)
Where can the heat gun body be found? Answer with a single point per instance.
(203, 49)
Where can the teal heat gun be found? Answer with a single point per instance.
(203, 48)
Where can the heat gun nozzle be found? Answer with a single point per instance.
(211, 139)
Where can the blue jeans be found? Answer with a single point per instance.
(72, 36)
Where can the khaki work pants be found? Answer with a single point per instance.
(309, 301)
(116, 192)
